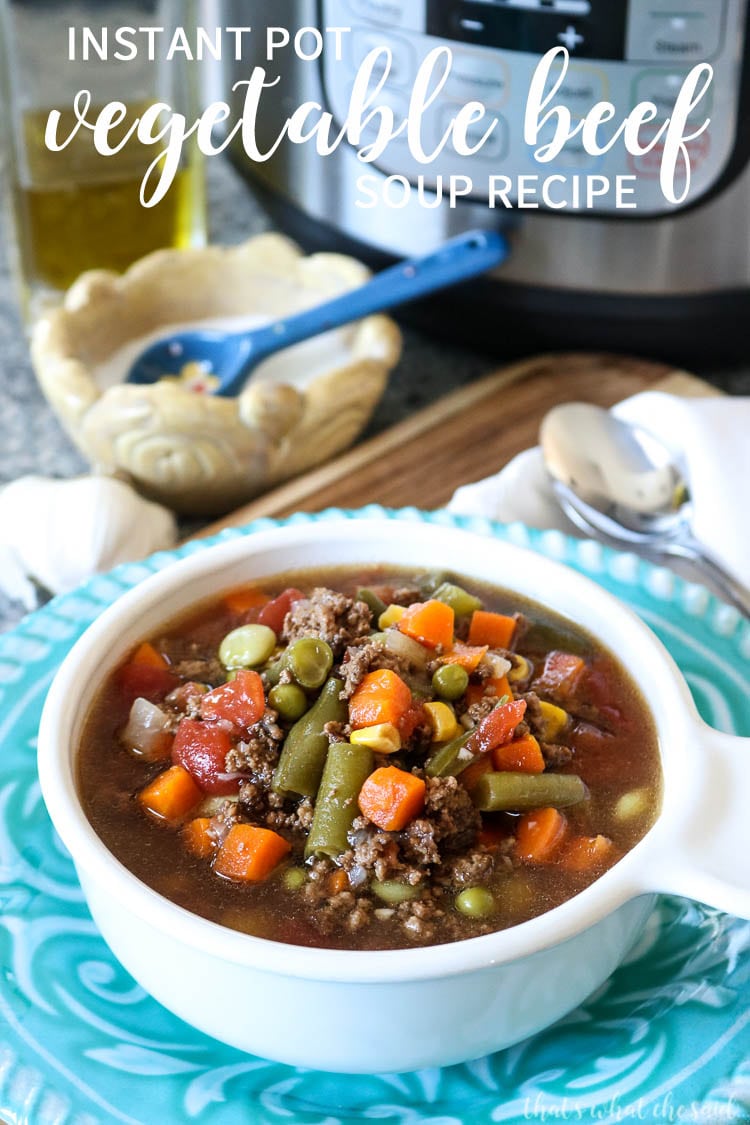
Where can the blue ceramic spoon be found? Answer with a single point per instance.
(232, 356)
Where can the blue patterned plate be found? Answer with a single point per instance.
(666, 1039)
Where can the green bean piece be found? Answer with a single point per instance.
(294, 878)
(303, 755)
(375, 604)
(393, 892)
(461, 601)
(446, 761)
(346, 769)
(289, 700)
(521, 792)
(430, 581)
(450, 681)
(309, 660)
(247, 647)
(475, 902)
(272, 672)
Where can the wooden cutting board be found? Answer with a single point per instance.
(464, 436)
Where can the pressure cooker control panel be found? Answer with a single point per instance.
(621, 51)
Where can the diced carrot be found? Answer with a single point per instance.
(498, 727)
(240, 601)
(468, 656)
(492, 835)
(474, 694)
(523, 755)
(584, 853)
(471, 775)
(171, 795)
(197, 837)
(391, 797)
(382, 697)
(274, 612)
(500, 685)
(493, 629)
(337, 881)
(241, 700)
(249, 854)
(494, 688)
(539, 835)
(147, 654)
(431, 623)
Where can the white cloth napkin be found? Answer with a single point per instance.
(59, 532)
(711, 436)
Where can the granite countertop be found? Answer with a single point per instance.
(32, 441)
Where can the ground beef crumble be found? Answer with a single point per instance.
(256, 755)
(330, 615)
(362, 657)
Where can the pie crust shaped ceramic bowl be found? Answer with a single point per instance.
(196, 453)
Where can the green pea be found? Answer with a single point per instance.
(294, 877)
(475, 902)
(247, 647)
(393, 892)
(309, 660)
(450, 681)
(289, 700)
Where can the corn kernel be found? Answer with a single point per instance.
(520, 671)
(555, 720)
(393, 614)
(443, 722)
(383, 738)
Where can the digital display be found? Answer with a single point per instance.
(588, 30)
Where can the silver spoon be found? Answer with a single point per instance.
(617, 482)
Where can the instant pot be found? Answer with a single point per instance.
(667, 280)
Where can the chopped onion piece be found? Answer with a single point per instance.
(407, 648)
(357, 875)
(498, 665)
(631, 804)
(147, 730)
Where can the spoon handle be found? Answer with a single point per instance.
(457, 260)
(730, 588)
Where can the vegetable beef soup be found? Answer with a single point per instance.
(370, 760)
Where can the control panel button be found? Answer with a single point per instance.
(662, 88)
(494, 148)
(402, 63)
(582, 87)
(683, 32)
(399, 104)
(480, 76)
(571, 37)
(392, 13)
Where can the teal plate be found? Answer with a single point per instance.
(666, 1039)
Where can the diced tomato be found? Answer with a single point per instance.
(561, 675)
(274, 612)
(410, 720)
(201, 749)
(145, 680)
(498, 727)
(241, 701)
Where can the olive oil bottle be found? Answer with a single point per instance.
(75, 210)
(78, 210)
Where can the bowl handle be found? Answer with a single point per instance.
(710, 860)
